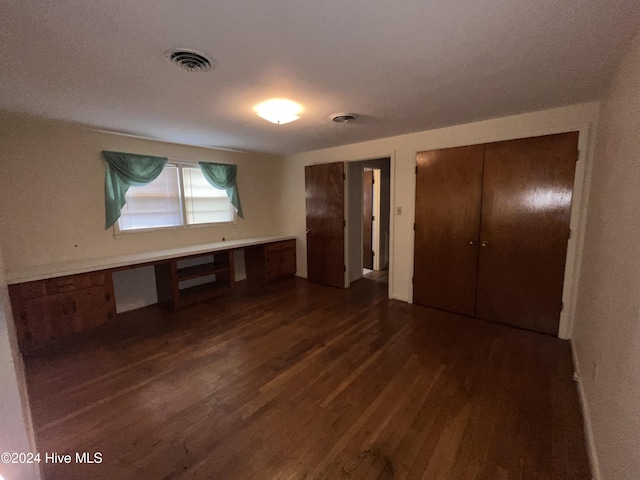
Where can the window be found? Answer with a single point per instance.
(179, 197)
(203, 203)
(154, 205)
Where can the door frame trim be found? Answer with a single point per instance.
(377, 240)
(391, 158)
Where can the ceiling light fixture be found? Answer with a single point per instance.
(278, 110)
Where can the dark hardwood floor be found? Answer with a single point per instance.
(378, 275)
(300, 381)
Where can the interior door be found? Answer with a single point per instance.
(324, 194)
(367, 219)
(448, 195)
(526, 209)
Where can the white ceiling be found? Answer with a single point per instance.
(403, 65)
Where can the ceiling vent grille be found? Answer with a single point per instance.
(343, 117)
(190, 60)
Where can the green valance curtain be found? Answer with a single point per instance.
(124, 170)
(223, 177)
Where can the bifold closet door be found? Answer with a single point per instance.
(526, 209)
(448, 194)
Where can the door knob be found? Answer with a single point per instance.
(471, 242)
(484, 243)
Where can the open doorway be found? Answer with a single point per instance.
(375, 233)
(368, 219)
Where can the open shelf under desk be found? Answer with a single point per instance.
(173, 280)
(195, 271)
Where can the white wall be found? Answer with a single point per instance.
(16, 433)
(607, 326)
(402, 150)
(52, 194)
(52, 199)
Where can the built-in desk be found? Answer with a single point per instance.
(58, 300)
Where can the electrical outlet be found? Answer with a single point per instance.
(398, 210)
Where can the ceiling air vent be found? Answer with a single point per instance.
(342, 117)
(190, 60)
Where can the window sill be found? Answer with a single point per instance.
(117, 232)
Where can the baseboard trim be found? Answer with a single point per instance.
(586, 419)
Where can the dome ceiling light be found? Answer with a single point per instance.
(278, 110)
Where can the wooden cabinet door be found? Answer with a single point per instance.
(324, 198)
(526, 208)
(284, 264)
(281, 264)
(271, 261)
(289, 262)
(448, 193)
(45, 318)
(63, 314)
(91, 308)
(58, 307)
(274, 263)
(367, 219)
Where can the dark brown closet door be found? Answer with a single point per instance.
(324, 193)
(448, 192)
(526, 208)
(367, 219)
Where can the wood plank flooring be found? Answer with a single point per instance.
(299, 381)
(378, 275)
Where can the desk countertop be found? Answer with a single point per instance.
(72, 267)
